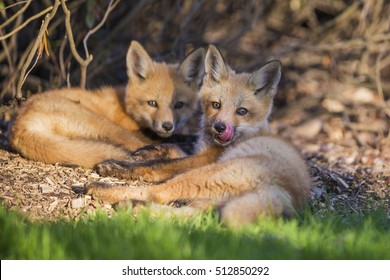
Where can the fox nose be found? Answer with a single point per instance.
(167, 126)
(220, 127)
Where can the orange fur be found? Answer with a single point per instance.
(80, 127)
(238, 169)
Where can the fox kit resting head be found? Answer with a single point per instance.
(235, 106)
(75, 126)
(162, 96)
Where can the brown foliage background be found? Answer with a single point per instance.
(341, 40)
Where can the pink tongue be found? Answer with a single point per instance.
(227, 135)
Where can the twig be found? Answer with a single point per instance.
(14, 16)
(344, 17)
(8, 55)
(359, 189)
(111, 6)
(83, 62)
(122, 25)
(15, 4)
(13, 76)
(34, 48)
(11, 45)
(31, 68)
(25, 23)
(62, 62)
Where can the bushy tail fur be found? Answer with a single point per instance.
(57, 134)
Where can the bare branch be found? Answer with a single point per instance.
(111, 6)
(12, 77)
(9, 58)
(62, 63)
(122, 25)
(34, 48)
(83, 63)
(25, 23)
(8, 55)
(14, 16)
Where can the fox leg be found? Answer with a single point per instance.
(212, 183)
(156, 151)
(120, 196)
(243, 189)
(123, 168)
(115, 194)
(144, 171)
(155, 171)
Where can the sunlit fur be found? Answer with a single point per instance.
(254, 92)
(245, 177)
(80, 127)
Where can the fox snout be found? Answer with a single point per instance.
(220, 127)
(164, 128)
(167, 126)
(224, 132)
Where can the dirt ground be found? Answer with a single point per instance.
(342, 131)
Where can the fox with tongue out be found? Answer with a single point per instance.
(236, 168)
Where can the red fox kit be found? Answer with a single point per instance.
(236, 168)
(79, 127)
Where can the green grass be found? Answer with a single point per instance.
(200, 237)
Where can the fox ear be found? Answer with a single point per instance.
(266, 79)
(215, 66)
(139, 63)
(192, 68)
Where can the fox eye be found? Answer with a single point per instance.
(241, 111)
(152, 103)
(179, 105)
(216, 105)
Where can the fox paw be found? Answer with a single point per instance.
(79, 190)
(121, 169)
(148, 153)
(91, 186)
(105, 192)
(112, 168)
(151, 152)
(142, 171)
